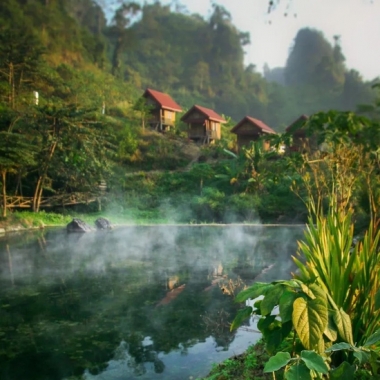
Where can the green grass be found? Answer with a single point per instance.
(29, 219)
(247, 366)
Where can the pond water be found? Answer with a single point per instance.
(132, 303)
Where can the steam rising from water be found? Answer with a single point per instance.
(173, 245)
(142, 291)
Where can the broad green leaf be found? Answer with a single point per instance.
(281, 359)
(298, 371)
(310, 320)
(275, 336)
(264, 323)
(257, 306)
(344, 371)
(318, 292)
(320, 347)
(293, 283)
(241, 316)
(271, 299)
(314, 361)
(257, 289)
(339, 347)
(307, 291)
(331, 331)
(343, 324)
(286, 305)
(373, 339)
(273, 339)
(362, 356)
(286, 328)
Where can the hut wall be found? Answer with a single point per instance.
(154, 116)
(248, 128)
(244, 140)
(196, 130)
(168, 117)
(215, 130)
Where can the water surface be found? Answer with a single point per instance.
(132, 303)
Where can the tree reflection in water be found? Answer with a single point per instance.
(73, 304)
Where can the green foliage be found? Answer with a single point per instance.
(346, 270)
(301, 368)
(66, 52)
(249, 365)
(312, 312)
(349, 275)
(330, 306)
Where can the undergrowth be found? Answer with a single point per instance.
(247, 366)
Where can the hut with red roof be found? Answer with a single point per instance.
(250, 129)
(162, 109)
(204, 124)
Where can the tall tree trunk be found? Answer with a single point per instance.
(41, 179)
(36, 192)
(39, 195)
(4, 192)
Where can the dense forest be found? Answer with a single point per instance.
(70, 78)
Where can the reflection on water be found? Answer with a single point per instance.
(132, 303)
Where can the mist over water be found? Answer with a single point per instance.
(131, 303)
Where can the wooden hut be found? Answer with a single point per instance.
(300, 140)
(250, 129)
(162, 109)
(204, 124)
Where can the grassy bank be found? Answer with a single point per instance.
(28, 219)
(248, 365)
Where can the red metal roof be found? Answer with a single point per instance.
(300, 121)
(164, 100)
(258, 123)
(209, 113)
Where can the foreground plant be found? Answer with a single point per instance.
(311, 365)
(347, 272)
(304, 321)
(334, 299)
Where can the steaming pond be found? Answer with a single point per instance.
(132, 303)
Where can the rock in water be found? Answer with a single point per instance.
(103, 224)
(78, 225)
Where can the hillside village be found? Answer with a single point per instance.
(204, 124)
(157, 117)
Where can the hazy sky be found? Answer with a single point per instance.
(356, 21)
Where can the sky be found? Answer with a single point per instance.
(357, 22)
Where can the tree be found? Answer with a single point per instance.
(314, 61)
(20, 57)
(120, 33)
(16, 152)
(74, 132)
